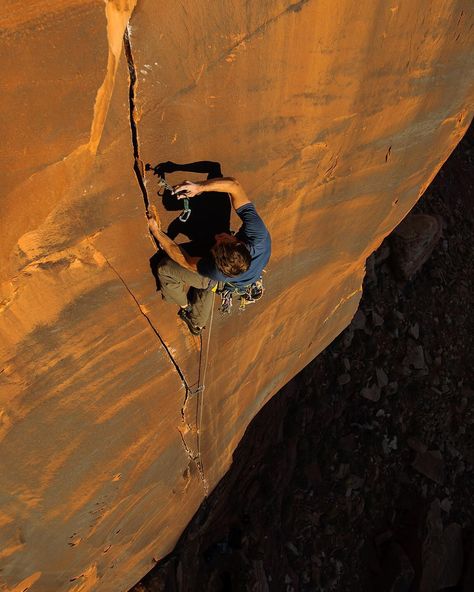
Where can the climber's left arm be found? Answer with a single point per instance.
(173, 250)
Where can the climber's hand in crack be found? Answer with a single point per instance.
(153, 226)
(154, 222)
(187, 189)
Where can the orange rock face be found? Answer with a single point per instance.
(334, 116)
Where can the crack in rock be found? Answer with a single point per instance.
(140, 175)
(155, 331)
(138, 163)
(195, 458)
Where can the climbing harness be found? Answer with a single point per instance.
(247, 295)
(184, 217)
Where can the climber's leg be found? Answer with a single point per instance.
(201, 306)
(175, 281)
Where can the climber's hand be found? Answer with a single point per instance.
(154, 222)
(153, 225)
(187, 189)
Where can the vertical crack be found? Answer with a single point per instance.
(138, 164)
(140, 175)
(195, 458)
(173, 361)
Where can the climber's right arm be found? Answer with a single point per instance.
(225, 185)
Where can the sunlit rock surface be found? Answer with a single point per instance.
(335, 116)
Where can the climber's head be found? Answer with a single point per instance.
(231, 256)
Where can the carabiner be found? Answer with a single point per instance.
(186, 212)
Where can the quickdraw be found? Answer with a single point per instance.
(184, 217)
(247, 295)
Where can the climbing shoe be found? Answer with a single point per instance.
(183, 313)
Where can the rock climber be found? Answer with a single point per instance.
(236, 260)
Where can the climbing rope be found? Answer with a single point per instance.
(202, 385)
(247, 295)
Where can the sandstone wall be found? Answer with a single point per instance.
(334, 115)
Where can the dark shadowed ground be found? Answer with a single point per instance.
(358, 475)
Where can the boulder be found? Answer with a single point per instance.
(412, 243)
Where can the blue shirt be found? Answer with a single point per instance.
(254, 234)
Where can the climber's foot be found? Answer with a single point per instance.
(183, 313)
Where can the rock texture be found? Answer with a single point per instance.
(334, 116)
(323, 493)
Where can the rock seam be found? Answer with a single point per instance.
(139, 174)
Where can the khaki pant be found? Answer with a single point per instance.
(175, 282)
